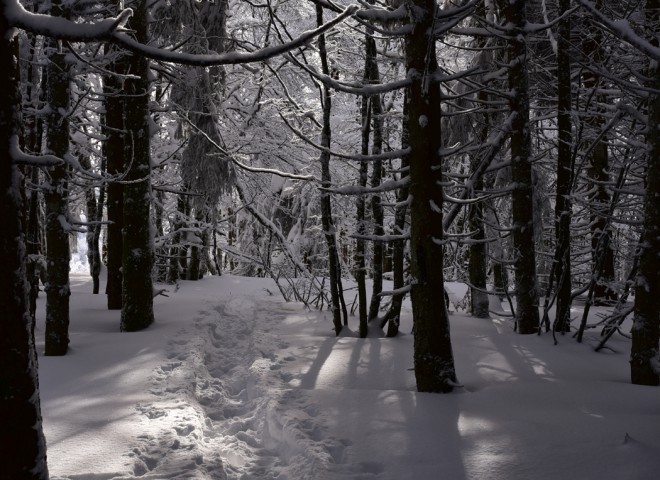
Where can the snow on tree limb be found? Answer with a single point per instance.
(272, 171)
(228, 58)
(112, 29)
(58, 27)
(622, 29)
(21, 158)
(355, 88)
(358, 190)
(363, 158)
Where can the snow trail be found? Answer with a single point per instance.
(221, 404)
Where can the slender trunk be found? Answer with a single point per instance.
(372, 75)
(564, 174)
(522, 203)
(161, 255)
(478, 253)
(56, 196)
(94, 208)
(114, 150)
(33, 135)
(433, 356)
(361, 243)
(399, 246)
(376, 206)
(644, 355)
(33, 243)
(326, 208)
(21, 435)
(598, 171)
(175, 268)
(137, 260)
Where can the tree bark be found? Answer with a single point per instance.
(602, 253)
(361, 243)
(644, 355)
(563, 203)
(21, 435)
(399, 246)
(376, 204)
(326, 208)
(114, 151)
(94, 209)
(137, 260)
(433, 356)
(56, 197)
(522, 204)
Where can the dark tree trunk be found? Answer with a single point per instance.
(478, 265)
(137, 261)
(599, 203)
(373, 76)
(433, 356)
(21, 435)
(478, 250)
(162, 252)
(361, 243)
(33, 135)
(645, 356)
(326, 209)
(94, 209)
(176, 257)
(114, 149)
(399, 246)
(376, 205)
(564, 174)
(56, 197)
(522, 204)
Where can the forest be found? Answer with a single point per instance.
(509, 145)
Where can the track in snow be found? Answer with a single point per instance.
(222, 407)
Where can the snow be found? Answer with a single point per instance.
(232, 382)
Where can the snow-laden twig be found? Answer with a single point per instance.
(362, 158)
(623, 30)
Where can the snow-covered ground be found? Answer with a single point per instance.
(232, 382)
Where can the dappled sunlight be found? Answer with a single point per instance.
(486, 446)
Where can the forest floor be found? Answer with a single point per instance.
(233, 382)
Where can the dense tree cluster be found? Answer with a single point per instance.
(513, 145)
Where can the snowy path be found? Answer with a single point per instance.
(221, 407)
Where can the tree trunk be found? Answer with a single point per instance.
(114, 150)
(137, 260)
(55, 194)
(32, 137)
(376, 205)
(94, 209)
(399, 246)
(433, 356)
(522, 204)
(564, 174)
(21, 435)
(360, 202)
(326, 208)
(601, 232)
(645, 356)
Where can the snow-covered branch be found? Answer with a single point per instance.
(112, 29)
(623, 30)
(58, 27)
(362, 158)
(19, 157)
(355, 88)
(358, 190)
(233, 57)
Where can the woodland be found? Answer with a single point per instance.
(511, 145)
